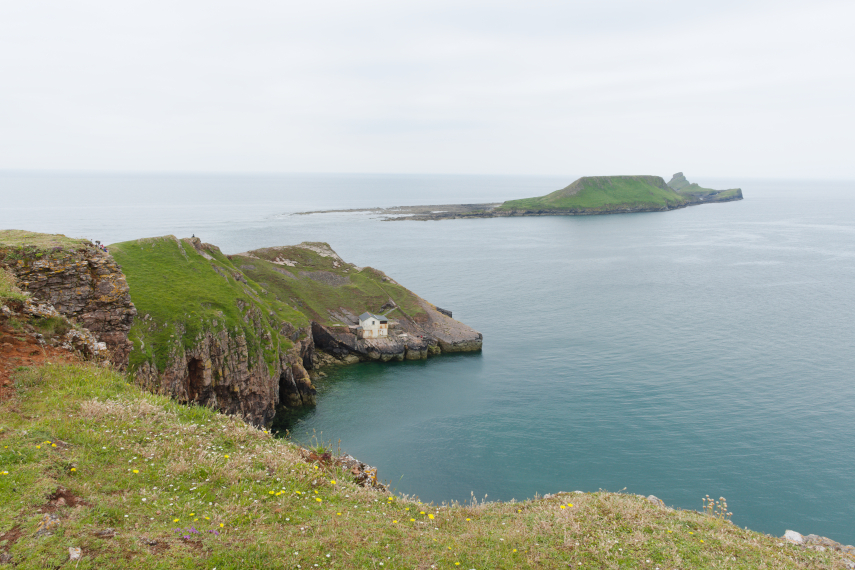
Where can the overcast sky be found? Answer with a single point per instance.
(724, 88)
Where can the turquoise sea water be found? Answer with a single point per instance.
(708, 350)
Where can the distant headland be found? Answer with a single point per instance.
(589, 195)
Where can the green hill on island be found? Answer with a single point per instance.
(616, 194)
(605, 193)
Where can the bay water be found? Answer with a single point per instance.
(708, 350)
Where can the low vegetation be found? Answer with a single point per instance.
(136, 480)
(319, 284)
(9, 290)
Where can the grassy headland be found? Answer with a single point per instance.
(136, 480)
(604, 194)
(182, 288)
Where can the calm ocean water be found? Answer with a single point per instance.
(708, 350)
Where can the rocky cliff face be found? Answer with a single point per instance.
(207, 335)
(219, 371)
(84, 284)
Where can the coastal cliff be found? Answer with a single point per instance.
(208, 335)
(77, 279)
(239, 332)
(236, 333)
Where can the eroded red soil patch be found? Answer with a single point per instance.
(19, 348)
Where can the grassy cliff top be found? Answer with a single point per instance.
(172, 486)
(603, 193)
(18, 238)
(315, 280)
(183, 287)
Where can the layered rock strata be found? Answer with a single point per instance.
(84, 284)
(219, 371)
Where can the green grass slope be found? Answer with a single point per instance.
(180, 290)
(316, 281)
(136, 480)
(603, 194)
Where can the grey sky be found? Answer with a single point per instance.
(617, 87)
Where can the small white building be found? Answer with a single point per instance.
(372, 326)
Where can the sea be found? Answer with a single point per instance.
(703, 351)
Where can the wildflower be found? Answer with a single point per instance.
(332, 481)
(4, 472)
(192, 514)
(394, 522)
(222, 525)
(421, 512)
(174, 520)
(136, 470)
(412, 520)
(226, 456)
(38, 447)
(562, 506)
(73, 469)
(318, 499)
(515, 549)
(701, 540)
(468, 519)
(53, 445)
(569, 504)
(338, 514)
(430, 517)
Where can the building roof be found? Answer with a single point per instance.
(366, 315)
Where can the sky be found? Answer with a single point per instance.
(725, 88)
